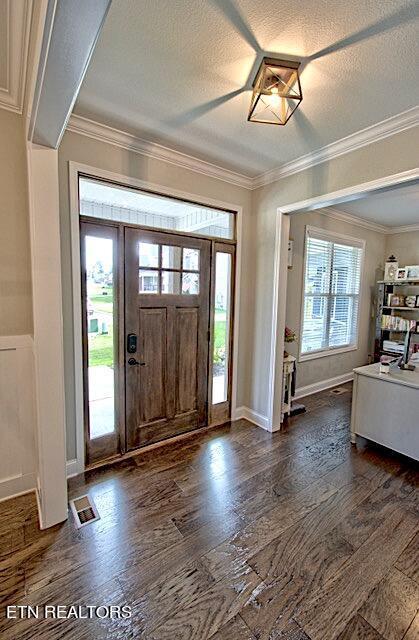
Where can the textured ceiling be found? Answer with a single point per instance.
(178, 72)
(393, 207)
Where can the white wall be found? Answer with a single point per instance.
(405, 246)
(17, 433)
(314, 371)
(81, 149)
(15, 256)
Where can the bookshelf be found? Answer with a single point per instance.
(410, 314)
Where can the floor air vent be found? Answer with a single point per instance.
(84, 511)
(338, 391)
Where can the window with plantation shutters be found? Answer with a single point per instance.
(332, 279)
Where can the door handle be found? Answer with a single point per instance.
(133, 361)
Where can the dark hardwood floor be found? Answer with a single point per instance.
(234, 534)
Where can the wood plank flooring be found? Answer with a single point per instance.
(232, 534)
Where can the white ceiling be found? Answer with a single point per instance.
(179, 72)
(393, 208)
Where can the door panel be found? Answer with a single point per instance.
(167, 305)
(151, 377)
(187, 323)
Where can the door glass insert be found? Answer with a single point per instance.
(190, 283)
(148, 254)
(100, 309)
(170, 282)
(222, 313)
(171, 257)
(149, 281)
(190, 259)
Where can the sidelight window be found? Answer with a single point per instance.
(222, 321)
(100, 314)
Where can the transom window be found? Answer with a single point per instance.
(168, 269)
(133, 206)
(332, 278)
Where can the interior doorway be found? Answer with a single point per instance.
(157, 333)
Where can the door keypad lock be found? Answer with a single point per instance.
(131, 343)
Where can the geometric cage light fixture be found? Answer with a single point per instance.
(276, 91)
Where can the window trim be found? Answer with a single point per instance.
(330, 236)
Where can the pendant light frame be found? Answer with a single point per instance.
(276, 91)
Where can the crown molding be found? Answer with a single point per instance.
(124, 140)
(19, 15)
(116, 137)
(337, 214)
(363, 137)
(408, 228)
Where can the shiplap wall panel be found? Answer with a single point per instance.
(17, 416)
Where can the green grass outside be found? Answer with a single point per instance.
(101, 346)
(102, 303)
(101, 351)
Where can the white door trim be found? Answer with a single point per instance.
(78, 465)
(280, 272)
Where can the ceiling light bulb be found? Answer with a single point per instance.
(274, 98)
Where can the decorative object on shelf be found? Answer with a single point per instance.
(401, 273)
(410, 301)
(417, 301)
(289, 336)
(395, 300)
(276, 91)
(390, 269)
(412, 272)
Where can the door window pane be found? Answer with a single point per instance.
(170, 282)
(222, 311)
(171, 257)
(100, 335)
(149, 254)
(191, 259)
(149, 281)
(190, 283)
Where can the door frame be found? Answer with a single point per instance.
(75, 169)
(280, 274)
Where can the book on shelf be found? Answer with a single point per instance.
(396, 323)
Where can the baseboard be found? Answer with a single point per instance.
(301, 392)
(252, 416)
(17, 486)
(73, 468)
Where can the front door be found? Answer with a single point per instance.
(167, 280)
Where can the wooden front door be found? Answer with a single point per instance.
(167, 280)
